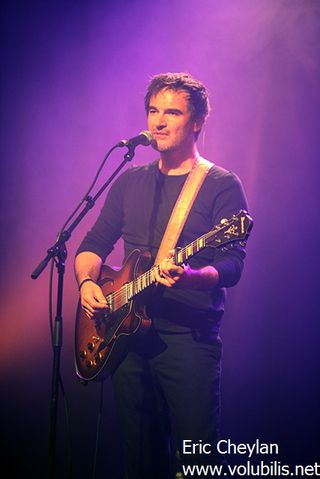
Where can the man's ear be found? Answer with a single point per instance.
(198, 124)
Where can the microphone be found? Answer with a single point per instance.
(144, 138)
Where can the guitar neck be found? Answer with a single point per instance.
(129, 290)
(183, 254)
(227, 231)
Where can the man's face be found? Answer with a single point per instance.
(169, 121)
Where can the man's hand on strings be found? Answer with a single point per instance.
(168, 273)
(92, 299)
(171, 275)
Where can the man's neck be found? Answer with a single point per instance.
(174, 163)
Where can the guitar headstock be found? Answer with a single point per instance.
(235, 229)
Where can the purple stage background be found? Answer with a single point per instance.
(73, 80)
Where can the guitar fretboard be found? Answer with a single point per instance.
(129, 290)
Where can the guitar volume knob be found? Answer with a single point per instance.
(98, 357)
(83, 354)
(90, 346)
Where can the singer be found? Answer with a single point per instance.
(167, 388)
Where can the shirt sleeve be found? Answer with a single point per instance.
(230, 199)
(108, 227)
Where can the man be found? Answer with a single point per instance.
(167, 388)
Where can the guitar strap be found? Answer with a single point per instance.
(183, 206)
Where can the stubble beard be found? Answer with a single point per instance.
(164, 148)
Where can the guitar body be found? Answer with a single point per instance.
(100, 343)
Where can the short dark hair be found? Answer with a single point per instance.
(198, 96)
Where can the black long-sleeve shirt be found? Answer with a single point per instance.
(138, 208)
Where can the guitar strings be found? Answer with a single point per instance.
(122, 296)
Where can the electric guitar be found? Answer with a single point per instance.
(100, 342)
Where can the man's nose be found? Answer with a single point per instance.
(161, 122)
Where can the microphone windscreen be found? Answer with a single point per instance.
(147, 137)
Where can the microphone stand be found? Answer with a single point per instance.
(58, 252)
